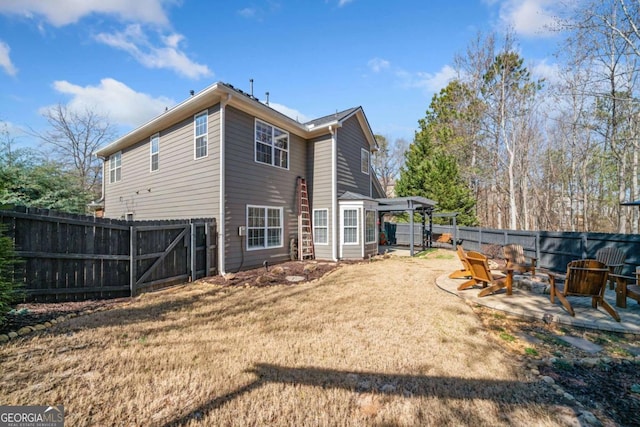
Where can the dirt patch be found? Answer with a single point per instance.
(288, 273)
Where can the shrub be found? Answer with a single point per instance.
(9, 288)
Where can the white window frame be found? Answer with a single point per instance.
(156, 138)
(356, 227)
(204, 135)
(365, 154)
(271, 144)
(366, 230)
(320, 227)
(266, 227)
(115, 167)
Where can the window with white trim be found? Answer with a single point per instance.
(321, 226)
(115, 167)
(264, 227)
(200, 141)
(370, 226)
(365, 157)
(271, 145)
(154, 152)
(350, 226)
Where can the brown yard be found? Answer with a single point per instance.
(375, 343)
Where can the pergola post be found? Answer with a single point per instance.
(410, 211)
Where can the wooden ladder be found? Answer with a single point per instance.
(305, 232)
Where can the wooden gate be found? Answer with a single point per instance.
(171, 253)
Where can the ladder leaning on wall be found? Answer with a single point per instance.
(305, 232)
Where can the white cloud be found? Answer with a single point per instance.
(290, 112)
(343, 2)
(430, 82)
(121, 104)
(532, 18)
(64, 12)
(378, 64)
(248, 12)
(5, 60)
(549, 72)
(135, 42)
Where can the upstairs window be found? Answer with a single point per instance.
(364, 161)
(200, 142)
(115, 167)
(154, 152)
(271, 145)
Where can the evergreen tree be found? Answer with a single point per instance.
(432, 173)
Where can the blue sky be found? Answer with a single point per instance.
(129, 59)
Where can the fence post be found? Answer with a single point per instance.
(132, 259)
(192, 251)
(538, 246)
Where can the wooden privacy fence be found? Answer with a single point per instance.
(553, 249)
(76, 257)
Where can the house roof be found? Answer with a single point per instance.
(229, 95)
(336, 117)
(349, 195)
(634, 203)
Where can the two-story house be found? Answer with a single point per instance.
(222, 153)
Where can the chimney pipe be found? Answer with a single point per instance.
(267, 93)
(251, 87)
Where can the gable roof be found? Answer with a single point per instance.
(337, 117)
(226, 93)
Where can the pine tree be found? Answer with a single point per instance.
(432, 172)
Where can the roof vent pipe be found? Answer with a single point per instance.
(267, 93)
(251, 87)
(192, 92)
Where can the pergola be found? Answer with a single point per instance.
(410, 205)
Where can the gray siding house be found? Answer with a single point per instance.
(222, 153)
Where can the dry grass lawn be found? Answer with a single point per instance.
(369, 344)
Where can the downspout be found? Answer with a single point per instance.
(221, 202)
(334, 193)
(95, 203)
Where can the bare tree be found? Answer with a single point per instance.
(388, 160)
(74, 136)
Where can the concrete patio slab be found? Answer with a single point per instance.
(527, 304)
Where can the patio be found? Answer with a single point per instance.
(531, 304)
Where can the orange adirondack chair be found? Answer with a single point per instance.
(465, 271)
(584, 278)
(481, 275)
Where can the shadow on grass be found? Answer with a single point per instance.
(505, 393)
(152, 311)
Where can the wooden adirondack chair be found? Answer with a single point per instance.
(584, 278)
(481, 275)
(465, 271)
(614, 259)
(517, 260)
(626, 289)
